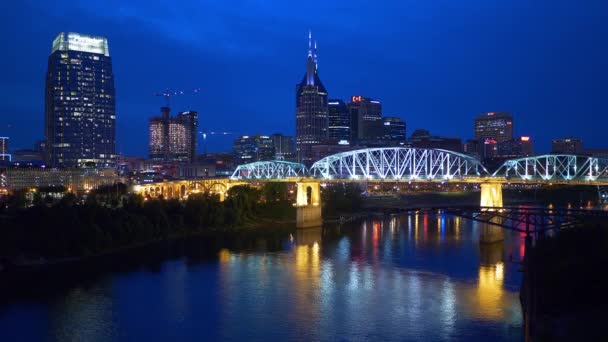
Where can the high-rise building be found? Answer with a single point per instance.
(516, 148)
(496, 126)
(284, 147)
(80, 113)
(173, 139)
(339, 120)
(365, 119)
(567, 146)
(190, 121)
(4, 155)
(421, 138)
(312, 121)
(253, 148)
(394, 129)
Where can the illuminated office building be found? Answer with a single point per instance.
(394, 129)
(253, 148)
(4, 155)
(516, 148)
(312, 120)
(365, 119)
(496, 126)
(339, 120)
(173, 138)
(567, 146)
(284, 147)
(189, 120)
(80, 111)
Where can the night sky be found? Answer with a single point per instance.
(436, 64)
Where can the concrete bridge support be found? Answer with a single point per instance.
(308, 205)
(491, 196)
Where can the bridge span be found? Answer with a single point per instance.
(394, 165)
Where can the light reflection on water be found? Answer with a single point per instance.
(418, 277)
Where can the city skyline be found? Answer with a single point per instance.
(429, 94)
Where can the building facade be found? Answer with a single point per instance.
(284, 147)
(516, 148)
(4, 153)
(312, 118)
(421, 138)
(496, 126)
(394, 129)
(253, 148)
(339, 120)
(365, 119)
(75, 179)
(80, 111)
(173, 138)
(567, 146)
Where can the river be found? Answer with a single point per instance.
(394, 278)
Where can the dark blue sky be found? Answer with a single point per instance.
(434, 63)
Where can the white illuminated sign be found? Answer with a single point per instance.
(80, 42)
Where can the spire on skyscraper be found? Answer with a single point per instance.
(311, 63)
(314, 55)
(309, 43)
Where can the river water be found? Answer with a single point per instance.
(394, 278)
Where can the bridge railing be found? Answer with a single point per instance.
(274, 169)
(555, 167)
(398, 163)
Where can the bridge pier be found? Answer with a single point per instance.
(308, 205)
(491, 196)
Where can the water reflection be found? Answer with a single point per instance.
(381, 276)
(411, 277)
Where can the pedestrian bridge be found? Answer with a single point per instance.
(395, 164)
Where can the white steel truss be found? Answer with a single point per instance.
(398, 163)
(273, 169)
(555, 167)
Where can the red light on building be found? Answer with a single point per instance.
(491, 113)
(525, 138)
(356, 98)
(509, 122)
(490, 141)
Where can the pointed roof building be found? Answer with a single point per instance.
(312, 118)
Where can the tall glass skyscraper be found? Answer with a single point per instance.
(365, 119)
(496, 126)
(80, 113)
(311, 109)
(339, 120)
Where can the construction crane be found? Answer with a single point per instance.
(168, 93)
(206, 133)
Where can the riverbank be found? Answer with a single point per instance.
(564, 287)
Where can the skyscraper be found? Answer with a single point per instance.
(311, 109)
(365, 119)
(80, 111)
(339, 120)
(284, 147)
(496, 126)
(253, 148)
(394, 129)
(173, 139)
(190, 121)
(4, 155)
(567, 145)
